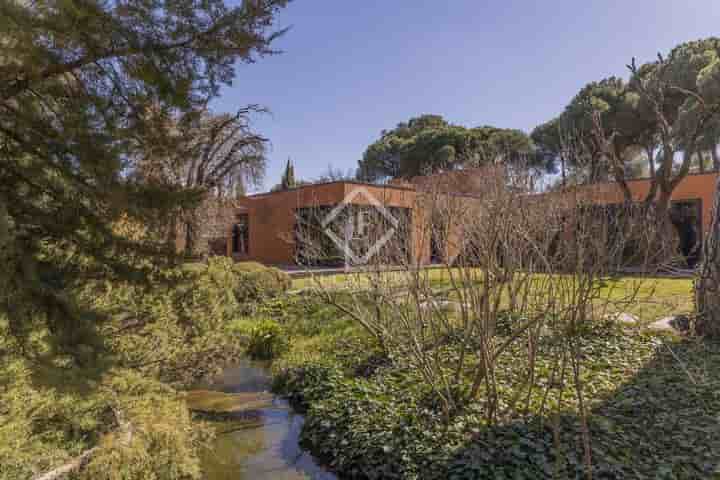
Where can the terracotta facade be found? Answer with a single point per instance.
(695, 187)
(271, 217)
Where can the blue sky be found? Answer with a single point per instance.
(351, 69)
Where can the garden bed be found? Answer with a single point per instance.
(653, 401)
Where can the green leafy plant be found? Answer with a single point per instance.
(255, 281)
(265, 338)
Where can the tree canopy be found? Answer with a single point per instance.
(216, 155)
(429, 144)
(668, 109)
(81, 83)
(219, 153)
(91, 336)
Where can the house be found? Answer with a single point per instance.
(691, 206)
(270, 227)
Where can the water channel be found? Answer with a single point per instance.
(258, 438)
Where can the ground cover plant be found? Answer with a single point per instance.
(651, 397)
(518, 343)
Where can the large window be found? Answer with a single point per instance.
(241, 235)
(686, 216)
(359, 227)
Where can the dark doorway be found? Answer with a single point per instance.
(436, 248)
(241, 235)
(686, 216)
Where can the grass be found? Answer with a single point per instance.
(654, 298)
(437, 275)
(648, 298)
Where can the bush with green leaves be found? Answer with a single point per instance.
(256, 281)
(52, 412)
(265, 338)
(249, 282)
(145, 343)
(174, 329)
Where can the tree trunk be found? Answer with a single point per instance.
(707, 285)
(662, 239)
(651, 160)
(716, 160)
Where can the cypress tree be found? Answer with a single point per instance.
(288, 178)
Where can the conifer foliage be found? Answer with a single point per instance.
(288, 178)
(83, 87)
(81, 82)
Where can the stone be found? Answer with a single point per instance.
(679, 323)
(218, 402)
(442, 305)
(623, 317)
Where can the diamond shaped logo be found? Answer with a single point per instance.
(358, 220)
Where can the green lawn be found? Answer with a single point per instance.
(647, 298)
(654, 298)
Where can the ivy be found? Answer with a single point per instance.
(654, 400)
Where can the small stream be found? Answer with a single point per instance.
(261, 439)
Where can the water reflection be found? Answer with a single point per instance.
(262, 443)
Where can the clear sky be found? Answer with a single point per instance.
(350, 69)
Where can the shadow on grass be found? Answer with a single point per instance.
(662, 424)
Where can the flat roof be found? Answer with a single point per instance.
(346, 182)
(414, 189)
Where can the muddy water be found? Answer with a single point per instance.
(259, 442)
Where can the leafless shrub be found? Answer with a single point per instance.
(516, 269)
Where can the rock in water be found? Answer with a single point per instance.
(209, 401)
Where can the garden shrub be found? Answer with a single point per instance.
(305, 315)
(367, 428)
(303, 385)
(211, 289)
(266, 339)
(248, 282)
(255, 281)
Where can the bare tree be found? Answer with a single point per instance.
(219, 155)
(683, 117)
